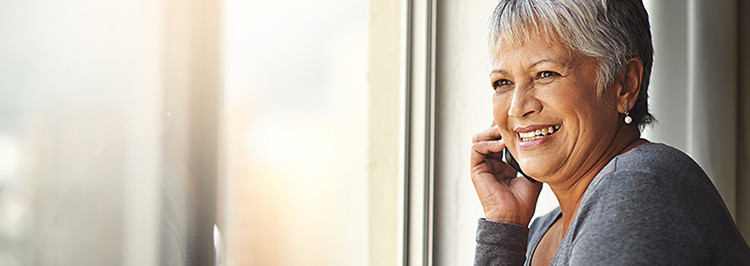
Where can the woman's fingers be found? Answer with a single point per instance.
(485, 143)
(504, 196)
(492, 133)
(501, 169)
(482, 149)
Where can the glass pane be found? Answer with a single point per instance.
(95, 157)
(103, 116)
(80, 118)
(295, 104)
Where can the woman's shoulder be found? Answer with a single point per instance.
(656, 158)
(658, 172)
(657, 183)
(656, 194)
(654, 168)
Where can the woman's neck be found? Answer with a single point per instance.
(570, 192)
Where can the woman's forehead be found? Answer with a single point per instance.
(533, 48)
(540, 39)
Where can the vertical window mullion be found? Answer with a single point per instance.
(419, 131)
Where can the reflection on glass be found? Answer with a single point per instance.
(296, 132)
(116, 120)
(84, 175)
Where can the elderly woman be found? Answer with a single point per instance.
(570, 80)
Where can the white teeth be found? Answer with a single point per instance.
(539, 133)
(526, 134)
(532, 138)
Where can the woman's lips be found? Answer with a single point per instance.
(536, 132)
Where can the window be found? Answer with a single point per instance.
(296, 132)
(199, 132)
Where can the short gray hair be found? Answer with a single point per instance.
(612, 31)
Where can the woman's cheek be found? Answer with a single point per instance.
(500, 105)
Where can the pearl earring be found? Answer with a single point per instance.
(628, 119)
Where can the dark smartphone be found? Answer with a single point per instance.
(512, 162)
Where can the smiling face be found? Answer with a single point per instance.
(546, 106)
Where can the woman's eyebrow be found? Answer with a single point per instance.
(498, 71)
(545, 60)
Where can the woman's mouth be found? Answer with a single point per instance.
(538, 133)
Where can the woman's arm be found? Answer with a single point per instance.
(500, 243)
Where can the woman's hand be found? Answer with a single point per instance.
(505, 197)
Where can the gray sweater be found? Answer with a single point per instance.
(650, 206)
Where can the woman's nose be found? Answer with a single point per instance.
(524, 102)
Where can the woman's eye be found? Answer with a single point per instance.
(502, 82)
(547, 74)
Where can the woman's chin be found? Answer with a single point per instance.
(540, 172)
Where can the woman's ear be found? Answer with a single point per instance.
(630, 77)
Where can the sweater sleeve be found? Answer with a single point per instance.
(500, 243)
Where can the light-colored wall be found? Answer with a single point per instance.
(463, 100)
(384, 207)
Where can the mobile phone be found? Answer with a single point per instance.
(513, 163)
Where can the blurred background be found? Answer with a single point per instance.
(160, 132)
(231, 132)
